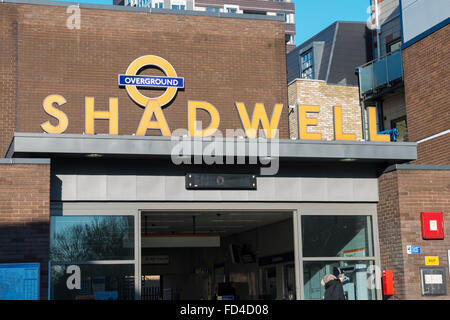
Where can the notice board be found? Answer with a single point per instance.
(19, 281)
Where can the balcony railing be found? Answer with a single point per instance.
(381, 73)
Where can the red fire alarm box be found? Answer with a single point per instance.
(432, 225)
(388, 283)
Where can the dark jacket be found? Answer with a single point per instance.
(334, 290)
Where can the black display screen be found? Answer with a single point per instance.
(220, 181)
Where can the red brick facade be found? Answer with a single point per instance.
(223, 61)
(426, 67)
(434, 151)
(404, 194)
(8, 75)
(24, 216)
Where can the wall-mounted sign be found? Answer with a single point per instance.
(195, 181)
(278, 258)
(19, 281)
(131, 80)
(433, 281)
(432, 225)
(155, 259)
(153, 116)
(360, 252)
(413, 249)
(432, 261)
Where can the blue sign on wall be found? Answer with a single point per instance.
(19, 281)
(413, 249)
(149, 81)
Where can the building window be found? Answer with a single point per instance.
(358, 276)
(292, 41)
(178, 7)
(394, 46)
(230, 8)
(282, 15)
(159, 5)
(212, 10)
(306, 65)
(100, 249)
(402, 128)
(338, 242)
(88, 238)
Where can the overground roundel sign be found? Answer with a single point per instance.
(132, 81)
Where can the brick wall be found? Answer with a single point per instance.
(24, 216)
(426, 64)
(223, 61)
(315, 92)
(434, 151)
(8, 71)
(404, 194)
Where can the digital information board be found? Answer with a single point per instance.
(19, 281)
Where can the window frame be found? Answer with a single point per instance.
(56, 210)
(310, 53)
(399, 119)
(317, 211)
(391, 43)
(228, 7)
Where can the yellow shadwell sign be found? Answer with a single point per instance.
(153, 118)
(153, 115)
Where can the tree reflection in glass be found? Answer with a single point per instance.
(87, 238)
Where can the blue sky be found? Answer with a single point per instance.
(312, 16)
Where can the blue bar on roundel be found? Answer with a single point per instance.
(150, 81)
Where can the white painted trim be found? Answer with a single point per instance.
(302, 79)
(434, 136)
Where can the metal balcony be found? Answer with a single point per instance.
(377, 75)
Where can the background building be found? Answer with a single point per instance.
(332, 54)
(284, 9)
(321, 72)
(423, 185)
(381, 80)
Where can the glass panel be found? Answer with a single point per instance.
(269, 285)
(394, 46)
(289, 282)
(402, 128)
(87, 238)
(366, 74)
(359, 281)
(337, 236)
(380, 74)
(97, 282)
(306, 61)
(394, 62)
